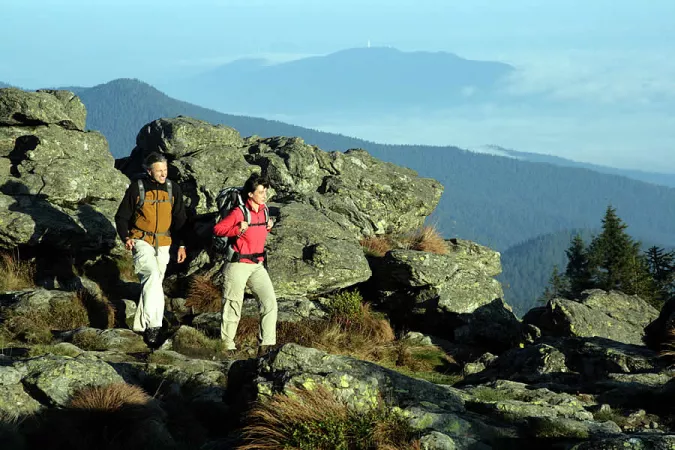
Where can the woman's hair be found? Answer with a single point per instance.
(152, 158)
(253, 182)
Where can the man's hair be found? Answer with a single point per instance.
(153, 158)
(253, 182)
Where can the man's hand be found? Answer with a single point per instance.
(270, 224)
(181, 255)
(129, 244)
(243, 225)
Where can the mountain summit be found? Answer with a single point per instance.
(373, 78)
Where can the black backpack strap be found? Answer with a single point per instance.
(169, 190)
(141, 194)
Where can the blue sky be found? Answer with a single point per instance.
(615, 53)
(87, 42)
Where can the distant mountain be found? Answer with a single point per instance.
(121, 107)
(359, 79)
(493, 200)
(665, 179)
(4, 85)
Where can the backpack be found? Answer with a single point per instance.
(228, 199)
(141, 193)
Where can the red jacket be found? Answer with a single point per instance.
(253, 239)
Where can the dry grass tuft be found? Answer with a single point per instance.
(376, 245)
(428, 239)
(316, 419)
(204, 295)
(100, 311)
(15, 274)
(109, 398)
(114, 417)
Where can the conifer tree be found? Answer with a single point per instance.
(661, 266)
(557, 286)
(578, 272)
(615, 259)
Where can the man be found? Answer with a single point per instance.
(246, 266)
(151, 211)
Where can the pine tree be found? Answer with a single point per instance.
(615, 260)
(557, 286)
(661, 266)
(578, 272)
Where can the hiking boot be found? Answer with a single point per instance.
(263, 350)
(152, 336)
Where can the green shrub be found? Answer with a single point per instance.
(345, 306)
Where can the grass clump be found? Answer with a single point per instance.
(15, 274)
(35, 326)
(316, 419)
(427, 362)
(614, 415)
(376, 245)
(108, 398)
(100, 311)
(194, 343)
(551, 428)
(426, 239)
(353, 329)
(117, 416)
(90, 340)
(203, 295)
(488, 394)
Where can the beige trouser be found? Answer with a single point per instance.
(237, 277)
(150, 268)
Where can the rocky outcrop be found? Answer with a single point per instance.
(453, 296)
(430, 408)
(569, 361)
(367, 195)
(323, 203)
(58, 183)
(612, 315)
(44, 107)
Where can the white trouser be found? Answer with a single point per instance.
(150, 268)
(237, 277)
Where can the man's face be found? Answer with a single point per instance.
(158, 172)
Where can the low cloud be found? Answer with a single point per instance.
(636, 78)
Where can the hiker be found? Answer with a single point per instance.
(151, 211)
(246, 266)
